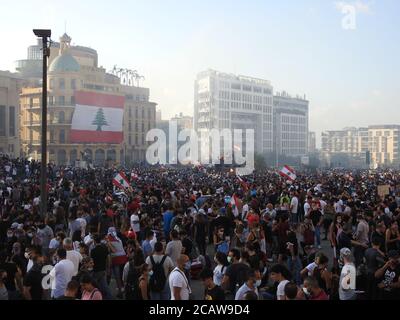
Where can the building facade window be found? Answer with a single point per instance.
(61, 100)
(11, 121)
(73, 84)
(2, 121)
(62, 84)
(61, 117)
(62, 136)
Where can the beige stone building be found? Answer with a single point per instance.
(384, 143)
(183, 122)
(10, 85)
(67, 73)
(381, 141)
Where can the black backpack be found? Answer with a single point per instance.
(158, 279)
(132, 283)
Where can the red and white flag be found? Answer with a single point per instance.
(236, 205)
(288, 173)
(243, 183)
(97, 118)
(121, 181)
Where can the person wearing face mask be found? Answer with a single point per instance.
(389, 277)
(252, 283)
(33, 289)
(220, 269)
(312, 290)
(235, 274)
(212, 292)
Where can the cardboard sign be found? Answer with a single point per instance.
(383, 190)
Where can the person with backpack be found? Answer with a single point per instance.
(161, 265)
(131, 274)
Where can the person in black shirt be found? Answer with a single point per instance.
(374, 258)
(236, 273)
(33, 289)
(100, 256)
(317, 221)
(379, 235)
(13, 276)
(187, 244)
(211, 291)
(389, 276)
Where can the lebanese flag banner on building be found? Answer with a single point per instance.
(97, 118)
(288, 173)
(121, 181)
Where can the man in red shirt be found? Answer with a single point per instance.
(313, 291)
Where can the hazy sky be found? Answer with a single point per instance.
(351, 77)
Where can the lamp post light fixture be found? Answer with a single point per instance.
(45, 34)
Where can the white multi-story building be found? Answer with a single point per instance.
(352, 141)
(384, 144)
(381, 141)
(290, 125)
(230, 101)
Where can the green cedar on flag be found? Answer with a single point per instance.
(100, 119)
(120, 181)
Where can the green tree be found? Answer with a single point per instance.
(100, 120)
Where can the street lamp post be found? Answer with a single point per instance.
(45, 35)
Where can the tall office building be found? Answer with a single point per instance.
(290, 124)
(230, 101)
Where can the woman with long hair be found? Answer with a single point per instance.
(392, 237)
(221, 260)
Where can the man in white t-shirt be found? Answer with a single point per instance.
(178, 283)
(347, 282)
(72, 255)
(307, 207)
(61, 274)
(278, 274)
(294, 205)
(338, 205)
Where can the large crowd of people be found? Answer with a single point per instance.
(327, 235)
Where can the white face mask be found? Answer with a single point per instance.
(26, 255)
(258, 283)
(306, 292)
